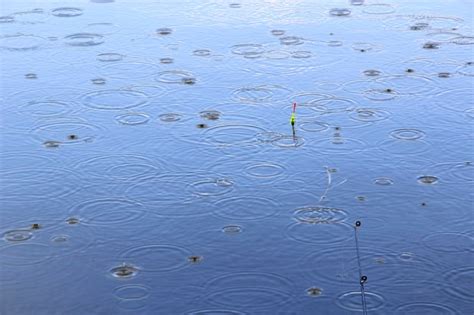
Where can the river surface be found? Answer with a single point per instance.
(148, 164)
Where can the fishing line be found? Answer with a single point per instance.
(329, 184)
(362, 279)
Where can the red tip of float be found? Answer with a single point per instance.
(294, 107)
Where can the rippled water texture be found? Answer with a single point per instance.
(149, 165)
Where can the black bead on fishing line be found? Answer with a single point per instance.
(362, 279)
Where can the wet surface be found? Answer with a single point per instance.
(149, 165)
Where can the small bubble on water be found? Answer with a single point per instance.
(72, 221)
(98, 81)
(195, 259)
(379, 260)
(60, 239)
(124, 271)
(7, 19)
(372, 73)
(31, 76)
(427, 179)
(444, 75)
(110, 57)
(334, 43)
(35, 226)
(232, 229)
(84, 39)
(406, 256)
(166, 60)
(339, 12)
(407, 134)
(224, 182)
(291, 40)
(210, 114)
(66, 12)
(419, 26)
(51, 144)
(202, 52)
(164, 31)
(301, 54)
(313, 291)
(431, 45)
(170, 117)
(383, 181)
(188, 81)
(278, 32)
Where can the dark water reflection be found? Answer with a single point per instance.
(148, 164)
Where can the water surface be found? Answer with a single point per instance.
(149, 166)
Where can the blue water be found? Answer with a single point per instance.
(148, 164)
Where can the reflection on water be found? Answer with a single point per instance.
(148, 163)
